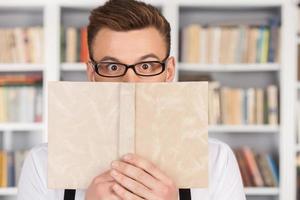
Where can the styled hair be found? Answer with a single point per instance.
(126, 15)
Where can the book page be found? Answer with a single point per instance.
(171, 130)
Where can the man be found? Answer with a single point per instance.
(129, 41)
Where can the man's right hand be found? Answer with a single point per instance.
(101, 188)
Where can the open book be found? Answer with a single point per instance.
(90, 124)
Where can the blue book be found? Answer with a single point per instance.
(259, 44)
(273, 168)
(10, 170)
(274, 39)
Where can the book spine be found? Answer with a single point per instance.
(253, 168)
(272, 93)
(84, 54)
(71, 44)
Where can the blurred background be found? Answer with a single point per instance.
(246, 49)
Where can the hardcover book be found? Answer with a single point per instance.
(91, 124)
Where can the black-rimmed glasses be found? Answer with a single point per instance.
(115, 69)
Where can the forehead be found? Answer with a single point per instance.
(128, 45)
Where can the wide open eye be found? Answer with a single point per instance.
(146, 66)
(112, 67)
(149, 68)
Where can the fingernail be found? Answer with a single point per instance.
(114, 173)
(127, 157)
(115, 187)
(115, 164)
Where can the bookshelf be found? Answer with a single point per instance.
(277, 139)
(186, 67)
(262, 191)
(21, 68)
(11, 191)
(15, 136)
(21, 127)
(243, 129)
(81, 67)
(274, 72)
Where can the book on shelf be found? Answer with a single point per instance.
(21, 98)
(235, 106)
(298, 174)
(298, 121)
(298, 60)
(298, 25)
(272, 106)
(257, 169)
(21, 45)
(11, 163)
(230, 44)
(74, 46)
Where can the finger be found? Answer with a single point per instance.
(114, 195)
(132, 185)
(103, 188)
(135, 173)
(104, 177)
(124, 194)
(147, 166)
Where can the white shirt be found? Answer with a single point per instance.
(225, 181)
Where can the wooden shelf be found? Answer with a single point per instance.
(18, 67)
(73, 67)
(297, 148)
(243, 129)
(262, 191)
(8, 191)
(188, 67)
(231, 3)
(21, 126)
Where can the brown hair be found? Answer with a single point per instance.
(126, 15)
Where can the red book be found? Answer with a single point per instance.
(247, 181)
(84, 52)
(20, 79)
(252, 166)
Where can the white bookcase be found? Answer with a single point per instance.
(277, 139)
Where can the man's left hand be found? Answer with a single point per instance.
(137, 178)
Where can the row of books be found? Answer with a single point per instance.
(257, 169)
(21, 45)
(234, 106)
(229, 44)
(74, 46)
(11, 163)
(20, 98)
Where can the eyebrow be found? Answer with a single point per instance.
(150, 55)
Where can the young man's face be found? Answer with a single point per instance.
(131, 47)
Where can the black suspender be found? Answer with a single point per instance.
(69, 194)
(184, 194)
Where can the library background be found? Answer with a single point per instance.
(246, 49)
